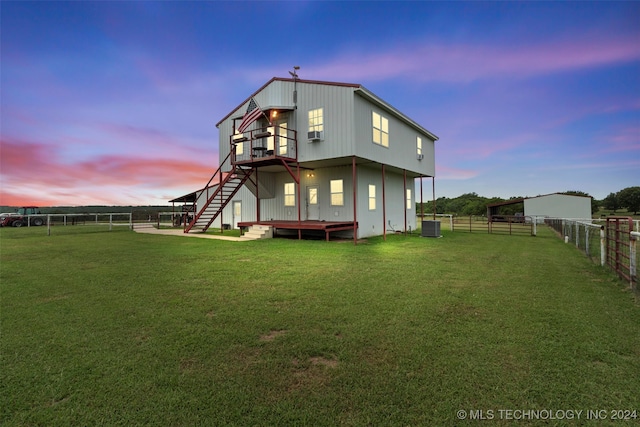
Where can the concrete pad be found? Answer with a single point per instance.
(169, 232)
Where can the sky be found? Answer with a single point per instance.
(115, 103)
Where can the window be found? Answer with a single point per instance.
(419, 146)
(289, 194)
(409, 203)
(282, 139)
(372, 197)
(272, 131)
(316, 120)
(239, 145)
(337, 194)
(380, 130)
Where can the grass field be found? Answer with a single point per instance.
(119, 328)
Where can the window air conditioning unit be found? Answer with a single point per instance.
(420, 156)
(314, 135)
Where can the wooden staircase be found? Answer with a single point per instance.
(227, 186)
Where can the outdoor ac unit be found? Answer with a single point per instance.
(431, 229)
(314, 135)
(420, 156)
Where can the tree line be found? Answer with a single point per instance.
(473, 204)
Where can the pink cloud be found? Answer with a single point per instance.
(35, 170)
(626, 139)
(473, 149)
(468, 62)
(450, 173)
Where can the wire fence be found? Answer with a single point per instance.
(594, 238)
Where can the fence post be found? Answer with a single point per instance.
(586, 240)
(633, 240)
(49, 225)
(535, 225)
(603, 251)
(577, 235)
(110, 222)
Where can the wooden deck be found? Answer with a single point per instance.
(326, 226)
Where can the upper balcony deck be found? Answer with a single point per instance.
(263, 146)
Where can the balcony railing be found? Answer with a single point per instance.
(257, 145)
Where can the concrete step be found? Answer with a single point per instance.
(257, 232)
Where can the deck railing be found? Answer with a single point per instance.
(264, 143)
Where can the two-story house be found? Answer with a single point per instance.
(301, 155)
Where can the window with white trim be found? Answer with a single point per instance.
(409, 203)
(380, 129)
(337, 193)
(239, 144)
(372, 197)
(419, 146)
(289, 194)
(316, 120)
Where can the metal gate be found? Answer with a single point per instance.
(621, 248)
(496, 224)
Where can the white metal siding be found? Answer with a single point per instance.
(401, 152)
(558, 206)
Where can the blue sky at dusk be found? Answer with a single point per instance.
(116, 102)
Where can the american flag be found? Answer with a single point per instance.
(252, 114)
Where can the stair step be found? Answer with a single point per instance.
(257, 232)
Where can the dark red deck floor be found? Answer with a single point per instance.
(326, 226)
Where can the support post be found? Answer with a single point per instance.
(354, 180)
(299, 191)
(384, 208)
(405, 203)
(257, 196)
(421, 202)
(433, 191)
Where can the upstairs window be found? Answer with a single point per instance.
(419, 146)
(283, 140)
(316, 120)
(289, 194)
(239, 144)
(380, 129)
(409, 202)
(337, 193)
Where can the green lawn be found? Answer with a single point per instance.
(119, 328)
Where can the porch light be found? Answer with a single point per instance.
(274, 114)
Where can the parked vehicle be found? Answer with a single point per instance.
(26, 215)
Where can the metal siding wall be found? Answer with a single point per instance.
(558, 206)
(371, 222)
(402, 141)
(337, 105)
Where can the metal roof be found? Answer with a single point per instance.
(359, 89)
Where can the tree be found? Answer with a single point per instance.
(630, 198)
(611, 202)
